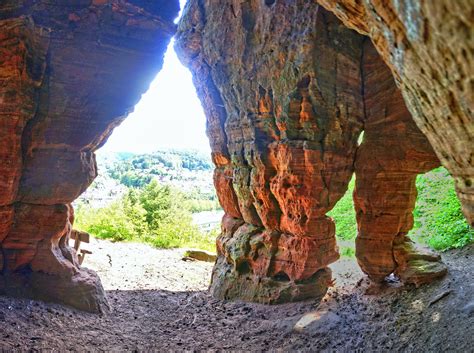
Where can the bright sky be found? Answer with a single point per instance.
(169, 114)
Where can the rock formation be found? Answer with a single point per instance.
(70, 71)
(288, 88)
(429, 47)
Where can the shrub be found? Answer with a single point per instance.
(111, 222)
(155, 214)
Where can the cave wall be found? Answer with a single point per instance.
(70, 71)
(429, 48)
(287, 89)
(284, 108)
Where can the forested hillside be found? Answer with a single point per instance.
(153, 197)
(189, 172)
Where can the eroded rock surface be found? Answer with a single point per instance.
(392, 153)
(429, 47)
(288, 89)
(284, 108)
(70, 71)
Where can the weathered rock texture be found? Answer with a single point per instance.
(429, 47)
(392, 153)
(287, 90)
(70, 71)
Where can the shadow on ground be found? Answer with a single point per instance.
(437, 317)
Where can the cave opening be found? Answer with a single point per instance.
(154, 183)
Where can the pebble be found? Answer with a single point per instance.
(469, 309)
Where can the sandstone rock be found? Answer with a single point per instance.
(22, 67)
(82, 290)
(429, 48)
(392, 153)
(415, 265)
(242, 284)
(287, 100)
(32, 225)
(287, 90)
(69, 74)
(200, 255)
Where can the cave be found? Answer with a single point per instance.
(287, 87)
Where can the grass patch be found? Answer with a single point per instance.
(439, 222)
(344, 215)
(347, 251)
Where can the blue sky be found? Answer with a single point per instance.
(169, 114)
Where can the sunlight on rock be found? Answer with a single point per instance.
(435, 317)
(418, 305)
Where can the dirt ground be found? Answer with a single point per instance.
(160, 303)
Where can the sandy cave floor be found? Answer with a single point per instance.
(160, 303)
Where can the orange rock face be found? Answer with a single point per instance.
(286, 98)
(287, 87)
(286, 101)
(68, 75)
(429, 48)
(392, 153)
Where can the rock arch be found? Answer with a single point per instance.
(70, 71)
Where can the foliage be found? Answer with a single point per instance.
(439, 221)
(198, 201)
(344, 215)
(347, 251)
(155, 214)
(438, 217)
(131, 179)
(137, 170)
(111, 222)
(186, 170)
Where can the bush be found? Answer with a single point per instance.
(111, 222)
(155, 214)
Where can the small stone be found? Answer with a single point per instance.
(322, 320)
(469, 309)
(200, 255)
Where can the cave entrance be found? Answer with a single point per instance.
(154, 187)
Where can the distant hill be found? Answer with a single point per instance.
(187, 170)
(168, 166)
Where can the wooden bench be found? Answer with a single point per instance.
(82, 255)
(79, 237)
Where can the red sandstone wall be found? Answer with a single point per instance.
(287, 90)
(69, 73)
(429, 48)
